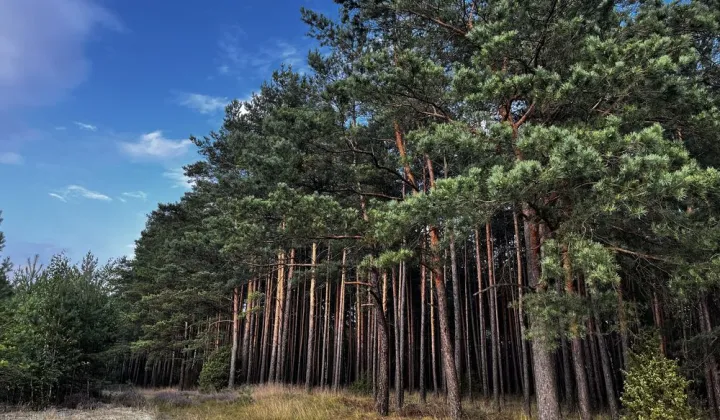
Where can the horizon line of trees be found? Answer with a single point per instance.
(498, 199)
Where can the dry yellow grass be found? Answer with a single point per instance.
(272, 402)
(291, 403)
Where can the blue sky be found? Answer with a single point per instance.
(98, 98)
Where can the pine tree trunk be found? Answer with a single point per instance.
(396, 320)
(711, 364)
(184, 359)
(236, 328)
(466, 320)
(607, 372)
(382, 396)
(433, 358)
(622, 317)
(279, 309)
(311, 328)
(594, 363)
(577, 354)
(521, 320)
(456, 305)
(481, 310)
(358, 330)
(340, 325)
(409, 333)
(326, 329)
(659, 322)
(244, 358)
(282, 356)
(423, 286)
(543, 362)
(446, 348)
(266, 328)
(495, 333)
(399, 385)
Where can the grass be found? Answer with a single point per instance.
(275, 402)
(286, 403)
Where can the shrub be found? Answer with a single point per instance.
(215, 371)
(81, 401)
(361, 386)
(654, 387)
(128, 398)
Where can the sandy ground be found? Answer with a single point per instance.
(99, 414)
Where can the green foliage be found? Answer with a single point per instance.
(61, 321)
(654, 387)
(362, 386)
(216, 370)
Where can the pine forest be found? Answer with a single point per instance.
(503, 201)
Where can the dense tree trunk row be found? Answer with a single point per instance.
(298, 322)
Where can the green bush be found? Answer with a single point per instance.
(362, 386)
(654, 387)
(216, 371)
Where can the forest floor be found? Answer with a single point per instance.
(264, 402)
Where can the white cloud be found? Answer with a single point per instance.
(140, 195)
(154, 145)
(83, 126)
(122, 200)
(58, 196)
(77, 191)
(180, 180)
(204, 104)
(42, 47)
(10, 158)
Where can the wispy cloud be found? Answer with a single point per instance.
(77, 191)
(235, 59)
(11, 158)
(140, 195)
(42, 53)
(179, 179)
(154, 145)
(84, 126)
(58, 196)
(203, 104)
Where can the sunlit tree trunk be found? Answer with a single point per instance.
(279, 310)
(236, 328)
(311, 327)
(282, 356)
(340, 318)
